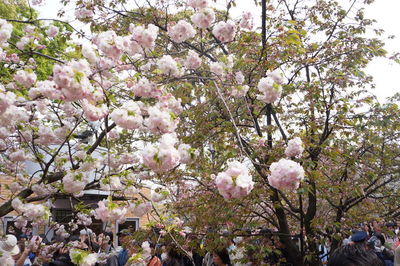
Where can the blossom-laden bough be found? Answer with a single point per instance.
(198, 105)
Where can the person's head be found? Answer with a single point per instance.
(9, 244)
(354, 255)
(380, 237)
(84, 234)
(21, 246)
(221, 257)
(124, 237)
(23, 237)
(359, 237)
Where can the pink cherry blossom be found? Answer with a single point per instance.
(113, 183)
(217, 68)
(20, 222)
(88, 260)
(18, 156)
(6, 100)
(157, 196)
(198, 3)
(145, 88)
(247, 21)
(18, 205)
(204, 18)
(235, 182)
(83, 12)
(26, 136)
(161, 121)
(270, 91)
(15, 187)
(239, 77)
(129, 116)
(58, 134)
(110, 212)
(225, 31)
(238, 91)
(61, 231)
(181, 32)
(3, 145)
(186, 153)
(37, 2)
(276, 75)
(25, 78)
(169, 102)
(140, 209)
(294, 147)
(43, 189)
(94, 112)
(144, 37)
(75, 182)
(106, 41)
(89, 54)
(168, 66)
(38, 213)
(23, 42)
(52, 31)
(84, 219)
(5, 31)
(72, 80)
(129, 158)
(13, 115)
(47, 136)
(4, 133)
(128, 45)
(193, 61)
(45, 89)
(286, 174)
(162, 156)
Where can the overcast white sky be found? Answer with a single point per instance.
(386, 12)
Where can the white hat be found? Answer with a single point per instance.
(9, 245)
(86, 232)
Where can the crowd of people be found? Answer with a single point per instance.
(374, 244)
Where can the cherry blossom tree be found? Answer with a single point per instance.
(239, 127)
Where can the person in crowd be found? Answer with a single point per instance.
(397, 256)
(88, 240)
(324, 249)
(238, 253)
(354, 255)
(359, 237)
(61, 256)
(155, 260)
(192, 245)
(397, 240)
(22, 258)
(9, 245)
(221, 258)
(124, 238)
(391, 236)
(174, 257)
(385, 255)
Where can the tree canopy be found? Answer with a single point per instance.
(237, 126)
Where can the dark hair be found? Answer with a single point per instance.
(354, 255)
(380, 237)
(174, 257)
(224, 256)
